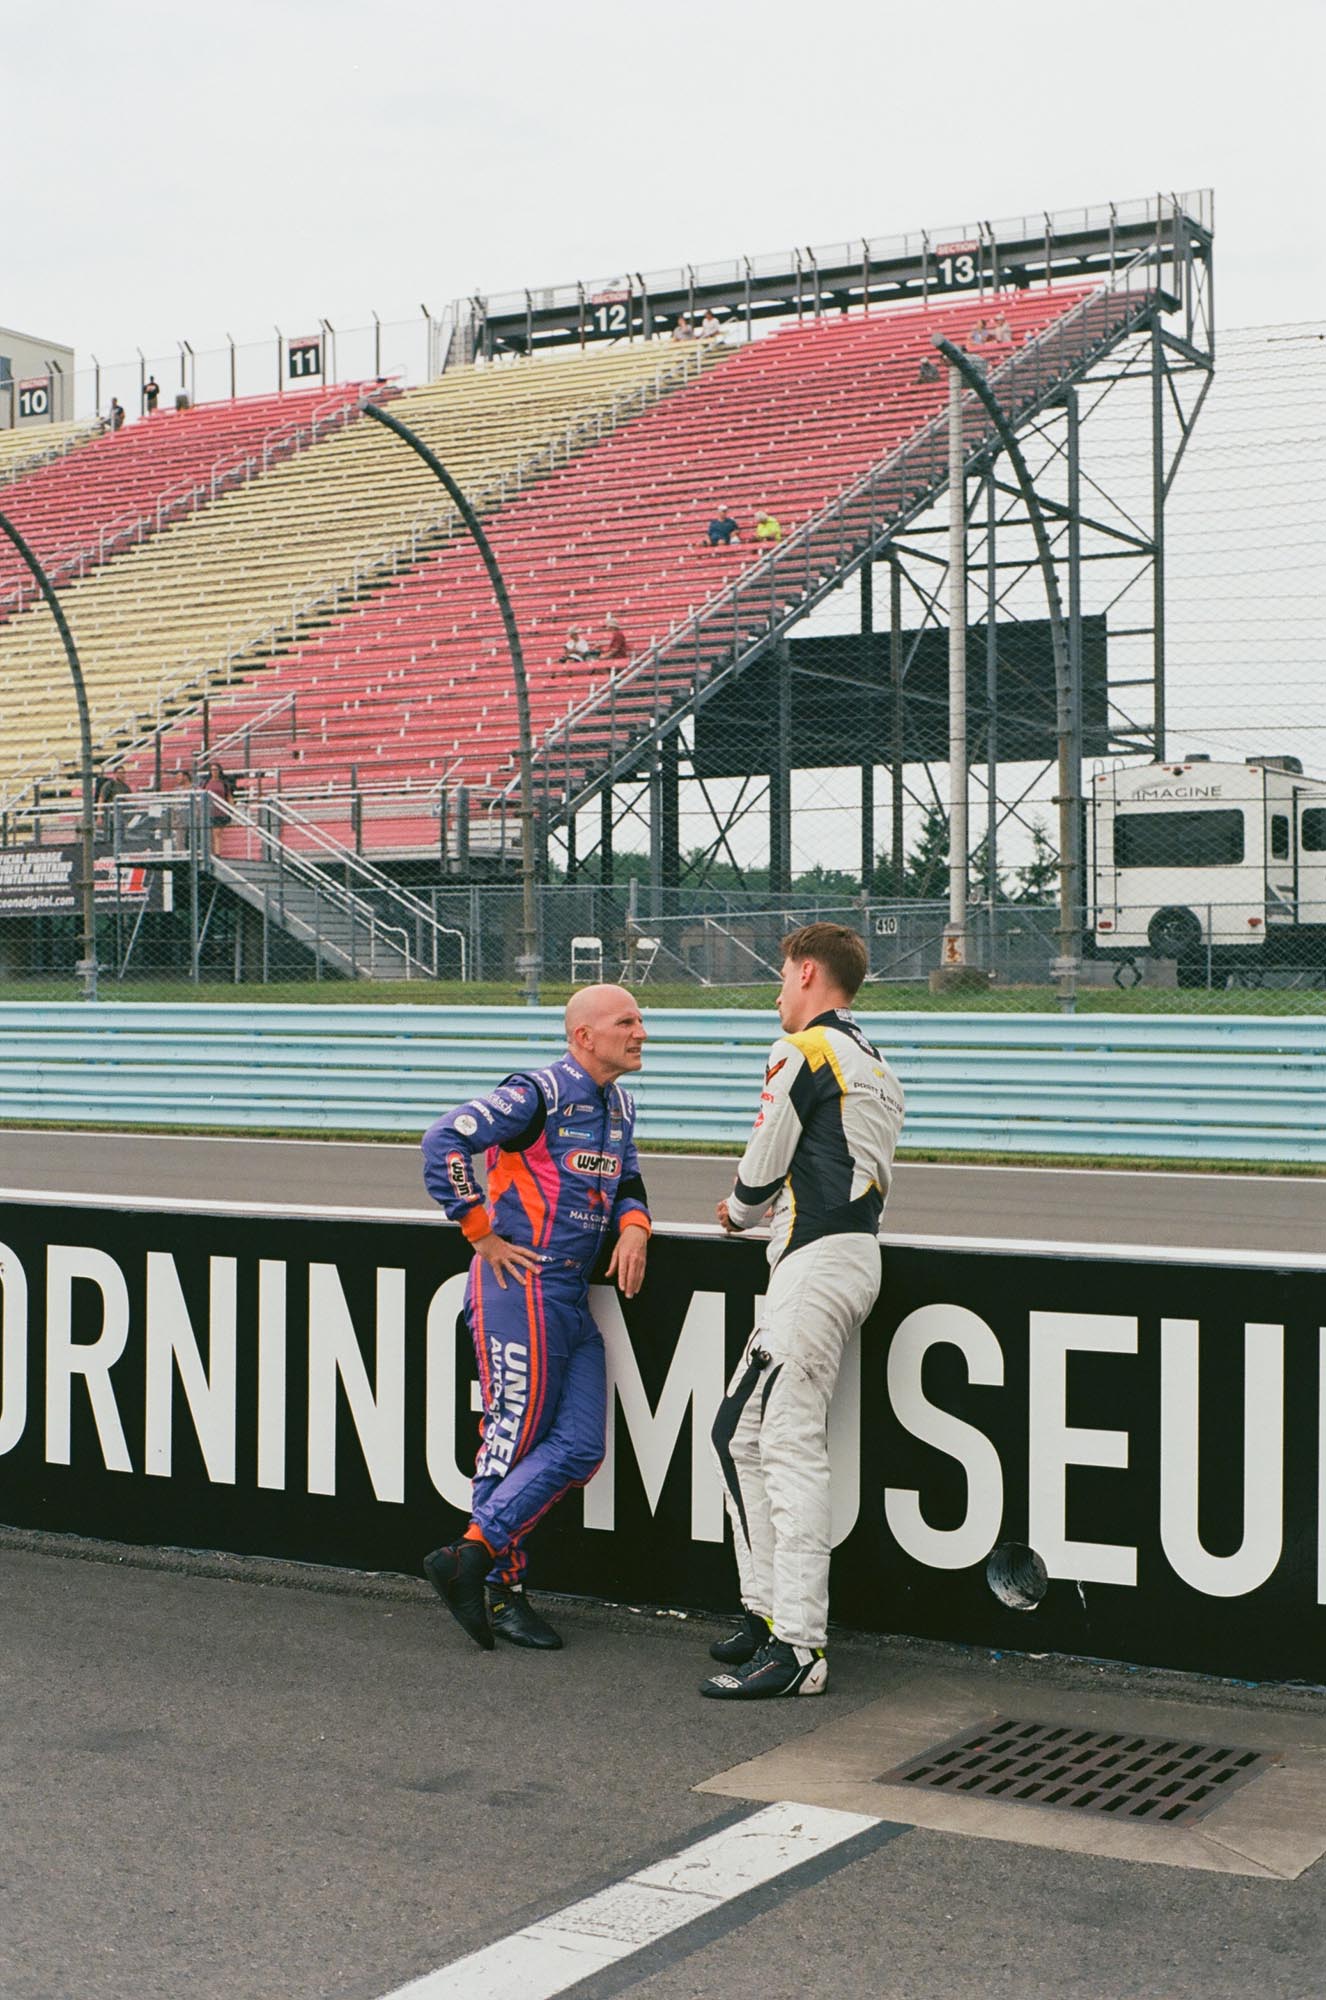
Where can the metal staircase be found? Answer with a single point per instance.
(354, 919)
(610, 734)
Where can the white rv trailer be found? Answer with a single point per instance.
(1215, 865)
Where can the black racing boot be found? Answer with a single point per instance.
(457, 1575)
(776, 1669)
(744, 1643)
(515, 1619)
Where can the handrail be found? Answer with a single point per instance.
(226, 472)
(242, 732)
(1139, 213)
(276, 805)
(18, 468)
(311, 877)
(924, 451)
(204, 671)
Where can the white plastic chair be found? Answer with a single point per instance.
(587, 959)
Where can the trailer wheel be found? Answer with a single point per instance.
(1175, 933)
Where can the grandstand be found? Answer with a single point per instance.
(206, 600)
(413, 689)
(20, 450)
(123, 486)
(326, 632)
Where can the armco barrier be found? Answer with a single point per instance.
(1151, 1423)
(1174, 1087)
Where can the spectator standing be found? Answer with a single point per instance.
(614, 646)
(180, 808)
(218, 786)
(110, 786)
(115, 415)
(564, 1185)
(768, 530)
(722, 529)
(151, 391)
(822, 1153)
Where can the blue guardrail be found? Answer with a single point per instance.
(1157, 1086)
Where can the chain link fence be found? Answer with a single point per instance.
(817, 781)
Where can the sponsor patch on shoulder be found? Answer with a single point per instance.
(469, 1126)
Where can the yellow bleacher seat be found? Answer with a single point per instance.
(218, 591)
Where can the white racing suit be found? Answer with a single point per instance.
(822, 1152)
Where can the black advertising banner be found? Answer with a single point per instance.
(298, 1387)
(43, 880)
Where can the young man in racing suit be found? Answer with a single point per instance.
(822, 1153)
(563, 1179)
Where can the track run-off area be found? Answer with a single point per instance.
(259, 1780)
(1173, 1209)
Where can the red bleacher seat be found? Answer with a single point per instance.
(414, 686)
(87, 504)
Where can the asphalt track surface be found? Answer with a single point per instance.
(1228, 1212)
(247, 1781)
(307, 1787)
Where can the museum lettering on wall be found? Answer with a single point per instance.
(1153, 1432)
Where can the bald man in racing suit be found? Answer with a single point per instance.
(822, 1153)
(563, 1182)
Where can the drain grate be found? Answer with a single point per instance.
(1162, 1781)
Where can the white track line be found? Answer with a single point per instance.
(587, 1937)
(412, 1146)
(1047, 1246)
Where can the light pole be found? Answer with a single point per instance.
(1068, 962)
(87, 968)
(528, 964)
(955, 935)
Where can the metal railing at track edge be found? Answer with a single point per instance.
(1191, 1089)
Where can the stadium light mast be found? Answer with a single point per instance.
(528, 964)
(87, 966)
(955, 934)
(1068, 963)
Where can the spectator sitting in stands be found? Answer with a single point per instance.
(767, 529)
(615, 646)
(709, 326)
(722, 530)
(151, 390)
(115, 415)
(928, 371)
(682, 329)
(981, 334)
(577, 650)
(1002, 330)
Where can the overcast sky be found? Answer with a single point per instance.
(187, 171)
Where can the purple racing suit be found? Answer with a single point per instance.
(563, 1178)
